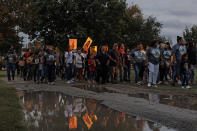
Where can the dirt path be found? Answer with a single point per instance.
(182, 119)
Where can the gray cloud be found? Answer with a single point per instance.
(175, 15)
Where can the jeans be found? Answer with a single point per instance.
(58, 70)
(185, 78)
(192, 73)
(167, 72)
(69, 71)
(153, 73)
(177, 68)
(10, 67)
(120, 73)
(40, 75)
(127, 73)
(21, 71)
(137, 68)
(35, 72)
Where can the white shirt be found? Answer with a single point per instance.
(69, 57)
(78, 61)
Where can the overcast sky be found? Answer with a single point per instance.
(175, 15)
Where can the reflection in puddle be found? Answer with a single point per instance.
(47, 111)
(182, 101)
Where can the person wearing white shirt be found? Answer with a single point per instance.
(79, 64)
(69, 65)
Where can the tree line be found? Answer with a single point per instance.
(56, 21)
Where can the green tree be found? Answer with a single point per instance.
(11, 14)
(190, 34)
(140, 29)
(106, 22)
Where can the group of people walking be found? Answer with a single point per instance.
(155, 64)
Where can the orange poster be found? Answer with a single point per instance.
(106, 48)
(72, 44)
(87, 44)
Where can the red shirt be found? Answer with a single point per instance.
(27, 54)
(91, 65)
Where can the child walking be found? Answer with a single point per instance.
(92, 65)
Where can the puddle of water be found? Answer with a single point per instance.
(48, 111)
(182, 101)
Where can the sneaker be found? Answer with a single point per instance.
(188, 87)
(168, 77)
(52, 83)
(138, 83)
(71, 81)
(155, 86)
(149, 84)
(68, 82)
(179, 82)
(159, 82)
(182, 87)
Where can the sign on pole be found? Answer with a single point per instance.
(87, 44)
(72, 44)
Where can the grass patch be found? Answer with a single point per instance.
(171, 89)
(11, 114)
(168, 87)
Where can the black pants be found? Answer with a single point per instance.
(104, 74)
(36, 72)
(162, 72)
(98, 73)
(51, 73)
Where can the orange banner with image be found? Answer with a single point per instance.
(87, 44)
(72, 44)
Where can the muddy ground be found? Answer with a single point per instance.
(116, 97)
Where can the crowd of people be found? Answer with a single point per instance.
(154, 64)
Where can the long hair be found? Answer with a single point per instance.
(169, 47)
(153, 43)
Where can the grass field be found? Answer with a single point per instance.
(11, 114)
